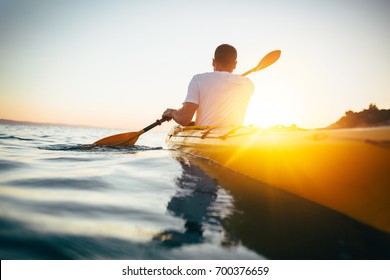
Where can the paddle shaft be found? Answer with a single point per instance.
(153, 125)
(248, 72)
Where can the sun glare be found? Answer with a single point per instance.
(267, 114)
(275, 102)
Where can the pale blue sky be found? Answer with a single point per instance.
(121, 63)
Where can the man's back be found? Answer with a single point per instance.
(222, 98)
(218, 98)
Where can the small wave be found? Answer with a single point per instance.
(61, 183)
(9, 165)
(18, 241)
(15, 138)
(64, 147)
(94, 148)
(70, 159)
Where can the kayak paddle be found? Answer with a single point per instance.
(129, 138)
(266, 61)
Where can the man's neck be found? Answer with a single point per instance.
(218, 69)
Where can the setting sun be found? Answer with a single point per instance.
(269, 114)
(276, 101)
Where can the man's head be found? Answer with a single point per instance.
(225, 58)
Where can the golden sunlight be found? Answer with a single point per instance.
(267, 114)
(275, 102)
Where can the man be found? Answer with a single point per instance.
(219, 98)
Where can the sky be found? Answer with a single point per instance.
(120, 64)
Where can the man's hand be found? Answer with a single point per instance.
(168, 114)
(182, 116)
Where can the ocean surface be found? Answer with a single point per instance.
(63, 198)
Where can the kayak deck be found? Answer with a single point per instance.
(346, 170)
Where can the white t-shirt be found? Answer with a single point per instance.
(222, 98)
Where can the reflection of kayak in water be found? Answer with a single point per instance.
(279, 225)
(345, 170)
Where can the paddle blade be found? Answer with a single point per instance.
(121, 140)
(268, 59)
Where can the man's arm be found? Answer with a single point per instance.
(182, 116)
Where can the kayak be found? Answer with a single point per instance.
(347, 170)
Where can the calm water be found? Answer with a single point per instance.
(61, 198)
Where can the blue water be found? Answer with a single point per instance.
(62, 198)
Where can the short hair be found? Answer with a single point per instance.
(225, 54)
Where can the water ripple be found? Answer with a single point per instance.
(60, 183)
(78, 210)
(6, 165)
(94, 148)
(8, 137)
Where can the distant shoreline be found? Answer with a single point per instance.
(370, 117)
(13, 122)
